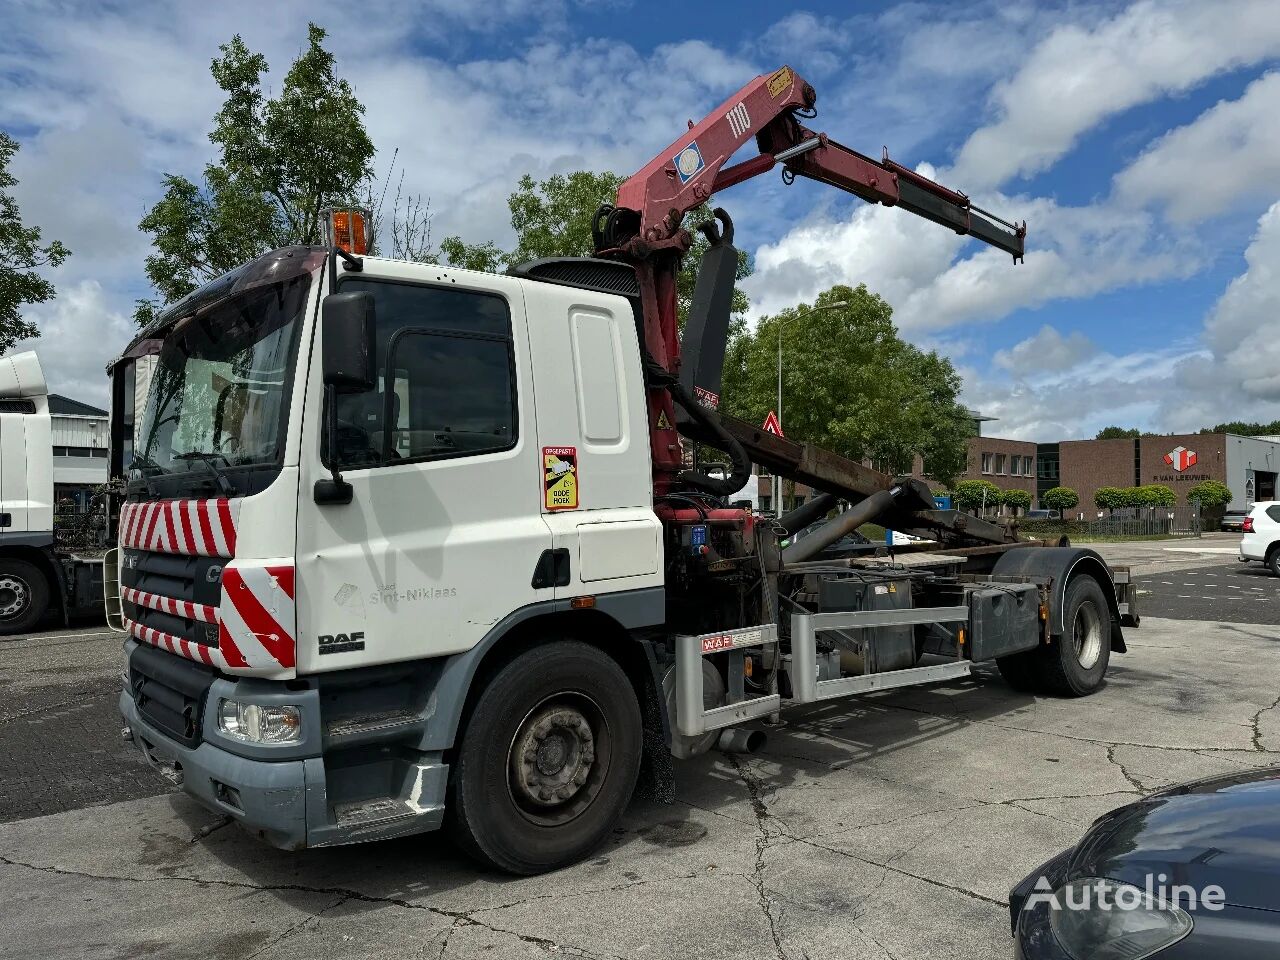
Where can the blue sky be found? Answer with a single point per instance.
(1141, 141)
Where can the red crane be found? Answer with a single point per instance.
(645, 228)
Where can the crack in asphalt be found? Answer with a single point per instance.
(1257, 729)
(763, 839)
(1074, 737)
(1133, 781)
(812, 842)
(294, 928)
(459, 917)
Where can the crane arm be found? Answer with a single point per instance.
(645, 229)
(652, 203)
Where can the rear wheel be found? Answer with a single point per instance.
(1020, 670)
(548, 760)
(24, 595)
(1076, 664)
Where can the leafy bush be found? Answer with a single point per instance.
(972, 494)
(1017, 499)
(1060, 498)
(1210, 493)
(1111, 498)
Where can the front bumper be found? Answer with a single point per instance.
(267, 797)
(333, 787)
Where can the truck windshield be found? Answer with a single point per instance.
(218, 399)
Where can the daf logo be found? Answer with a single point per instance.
(213, 574)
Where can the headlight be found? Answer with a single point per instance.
(1096, 919)
(256, 723)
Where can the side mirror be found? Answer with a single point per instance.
(348, 329)
(347, 366)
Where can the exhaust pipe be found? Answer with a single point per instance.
(838, 526)
(741, 740)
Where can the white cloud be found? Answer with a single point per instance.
(1232, 372)
(1242, 327)
(80, 332)
(1079, 76)
(1128, 389)
(1046, 350)
(1073, 253)
(1230, 151)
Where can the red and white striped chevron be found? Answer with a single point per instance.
(255, 616)
(255, 621)
(203, 528)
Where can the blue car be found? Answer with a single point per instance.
(1190, 872)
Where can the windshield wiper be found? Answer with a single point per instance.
(141, 462)
(224, 485)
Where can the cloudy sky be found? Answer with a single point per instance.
(1141, 141)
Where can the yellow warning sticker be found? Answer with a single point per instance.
(779, 82)
(664, 423)
(560, 475)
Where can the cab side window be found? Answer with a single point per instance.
(446, 378)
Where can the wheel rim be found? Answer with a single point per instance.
(558, 759)
(1088, 635)
(15, 596)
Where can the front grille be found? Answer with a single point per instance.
(196, 579)
(169, 692)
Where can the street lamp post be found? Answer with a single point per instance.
(781, 323)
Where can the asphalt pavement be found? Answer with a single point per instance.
(891, 826)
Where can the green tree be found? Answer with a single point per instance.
(1060, 498)
(1017, 499)
(1110, 498)
(282, 160)
(1245, 428)
(1155, 495)
(1210, 493)
(852, 385)
(22, 255)
(1118, 433)
(553, 217)
(974, 495)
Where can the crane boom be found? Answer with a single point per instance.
(645, 228)
(686, 174)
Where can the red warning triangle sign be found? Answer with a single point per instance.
(773, 425)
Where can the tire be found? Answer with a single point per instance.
(24, 595)
(1273, 562)
(548, 760)
(1075, 665)
(1021, 670)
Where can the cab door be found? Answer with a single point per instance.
(445, 529)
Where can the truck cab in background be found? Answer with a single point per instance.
(38, 575)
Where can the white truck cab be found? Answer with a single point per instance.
(302, 660)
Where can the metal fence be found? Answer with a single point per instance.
(1182, 520)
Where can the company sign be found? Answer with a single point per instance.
(1180, 458)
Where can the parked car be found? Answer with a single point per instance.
(1043, 515)
(1188, 873)
(1261, 540)
(1234, 520)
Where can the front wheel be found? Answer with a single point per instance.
(1273, 562)
(24, 596)
(548, 760)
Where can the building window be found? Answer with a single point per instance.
(765, 504)
(986, 463)
(999, 464)
(98, 453)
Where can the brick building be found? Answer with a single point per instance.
(1249, 466)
